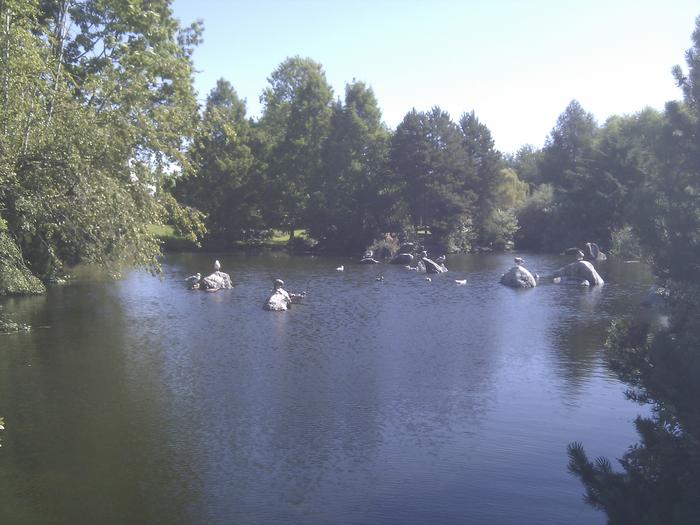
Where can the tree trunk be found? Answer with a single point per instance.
(6, 66)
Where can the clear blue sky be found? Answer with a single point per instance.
(517, 64)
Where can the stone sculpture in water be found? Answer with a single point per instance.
(211, 283)
(519, 276)
(581, 273)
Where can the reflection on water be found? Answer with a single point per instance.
(402, 401)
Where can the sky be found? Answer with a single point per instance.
(516, 64)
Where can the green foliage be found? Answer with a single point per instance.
(509, 191)
(569, 144)
(351, 201)
(625, 244)
(498, 229)
(429, 158)
(660, 482)
(461, 237)
(385, 247)
(526, 163)
(485, 162)
(667, 211)
(536, 219)
(222, 179)
(102, 104)
(295, 125)
(15, 277)
(187, 222)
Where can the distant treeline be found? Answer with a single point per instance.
(97, 108)
(101, 138)
(331, 167)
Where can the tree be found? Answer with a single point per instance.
(660, 481)
(433, 167)
(104, 102)
(351, 203)
(526, 163)
(670, 224)
(296, 121)
(485, 163)
(569, 145)
(509, 191)
(222, 180)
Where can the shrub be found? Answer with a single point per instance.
(625, 244)
(499, 229)
(386, 247)
(461, 237)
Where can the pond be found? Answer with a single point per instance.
(402, 401)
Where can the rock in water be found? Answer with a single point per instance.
(577, 272)
(518, 277)
(277, 302)
(433, 267)
(216, 281)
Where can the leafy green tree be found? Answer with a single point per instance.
(499, 228)
(222, 179)
(526, 164)
(568, 146)
(509, 190)
(296, 123)
(669, 222)
(102, 101)
(352, 201)
(537, 220)
(580, 206)
(486, 164)
(660, 481)
(429, 158)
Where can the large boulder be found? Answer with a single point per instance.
(577, 273)
(518, 277)
(216, 281)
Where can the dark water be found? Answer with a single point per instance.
(403, 401)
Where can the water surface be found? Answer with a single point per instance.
(403, 401)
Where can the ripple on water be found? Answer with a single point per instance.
(401, 401)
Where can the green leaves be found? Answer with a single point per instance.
(296, 123)
(99, 115)
(223, 174)
(348, 206)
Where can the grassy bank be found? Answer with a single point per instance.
(174, 243)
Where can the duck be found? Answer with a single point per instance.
(460, 281)
(379, 278)
(519, 261)
(340, 268)
(217, 265)
(428, 279)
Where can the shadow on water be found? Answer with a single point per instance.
(657, 479)
(76, 426)
(401, 401)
